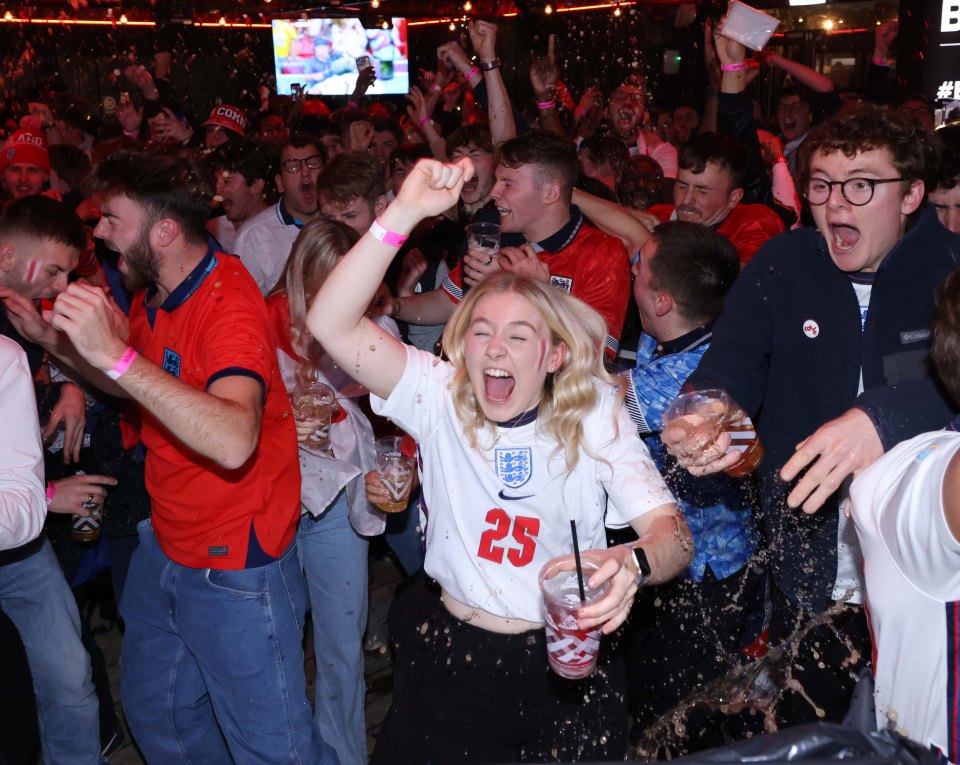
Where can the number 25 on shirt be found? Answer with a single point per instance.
(523, 531)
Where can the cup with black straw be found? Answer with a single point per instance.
(564, 582)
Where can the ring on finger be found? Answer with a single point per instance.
(488, 261)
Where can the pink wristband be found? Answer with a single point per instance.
(51, 492)
(387, 236)
(472, 72)
(542, 105)
(881, 61)
(424, 121)
(436, 88)
(738, 67)
(124, 364)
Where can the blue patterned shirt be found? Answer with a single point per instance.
(716, 510)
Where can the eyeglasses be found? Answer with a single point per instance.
(313, 162)
(796, 108)
(857, 191)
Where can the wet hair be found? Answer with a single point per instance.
(948, 174)
(408, 153)
(39, 217)
(569, 394)
(301, 139)
(606, 150)
(246, 157)
(70, 163)
(165, 184)
(554, 157)
(315, 252)
(696, 266)
(721, 149)
(945, 331)
(470, 135)
(351, 175)
(915, 152)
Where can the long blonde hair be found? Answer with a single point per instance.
(570, 393)
(316, 251)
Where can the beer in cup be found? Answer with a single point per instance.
(396, 473)
(314, 402)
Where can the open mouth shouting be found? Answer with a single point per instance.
(498, 385)
(843, 237)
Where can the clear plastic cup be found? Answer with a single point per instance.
(703, 415)
(483, 239)
(395, 469)
(86, 528)
(571, 651)
(314, 402)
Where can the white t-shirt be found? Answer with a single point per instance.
(22, 506)
(912, 571)
(495, 515)
(263, 244)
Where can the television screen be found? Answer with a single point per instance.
(321, 56)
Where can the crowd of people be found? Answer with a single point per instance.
(167, 287)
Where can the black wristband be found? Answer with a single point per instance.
(642, 563)
(488, 66)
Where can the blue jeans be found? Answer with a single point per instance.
(212, 668)
(405, 537)
(334, 559)
(34, 594)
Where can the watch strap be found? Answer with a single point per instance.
(642, 563)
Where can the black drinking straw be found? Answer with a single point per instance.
(576, 555)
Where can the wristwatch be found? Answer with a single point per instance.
(488, 66)
(642, 564)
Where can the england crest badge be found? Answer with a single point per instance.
(514, 466)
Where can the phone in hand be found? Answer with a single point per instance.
(362, 62)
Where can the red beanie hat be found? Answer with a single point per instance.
(26, 148)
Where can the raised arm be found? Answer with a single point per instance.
(336, 317)
(615, 220)
(544, 75)
(483, 36)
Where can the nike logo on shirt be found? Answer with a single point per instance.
(508, 497)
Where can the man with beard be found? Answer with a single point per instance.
(824, 340)
(215, 599)
(543, 236)
(265, 240)
(39, 246)
(708, 191)
(626, 112)
(241, 172)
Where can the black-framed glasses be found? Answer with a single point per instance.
(857, 191)
(313, 162)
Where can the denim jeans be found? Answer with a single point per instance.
(404, 536)
(334, 559)
(36, 597)
(212, 668)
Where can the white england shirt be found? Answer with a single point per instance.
(912, 573)
(496, 514)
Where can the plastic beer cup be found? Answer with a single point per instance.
(571, 651)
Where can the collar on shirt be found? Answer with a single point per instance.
(686, 342)
(521, 419)
(182, 292)
(862, 277)
(560, 239)
(286, 217)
